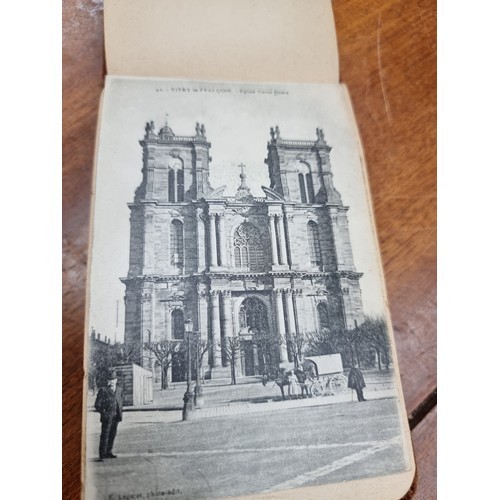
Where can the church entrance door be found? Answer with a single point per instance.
(253, 320)
(248, 358)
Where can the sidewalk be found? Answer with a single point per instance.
(273, 405)
(250, 396)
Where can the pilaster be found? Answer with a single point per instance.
(274, 246)
(146, 325)
(148, 241)
(213, 241)
(288, 224)
(290, 313)
(203, 315)
(227, 318)
(222, 241)
(201, 235)
(280, 318)
(281, 230)
(215, 323)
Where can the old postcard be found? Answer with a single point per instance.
(238, 335)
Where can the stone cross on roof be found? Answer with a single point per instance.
(243, 191)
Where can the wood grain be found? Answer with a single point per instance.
(388, 60)
(83, 70)
(424, 439)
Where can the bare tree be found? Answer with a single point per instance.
(324, 341)
(128, 352)
(331, 341)
(202, 347)
(374, 333)
(232, 347)
(360, 345)
(268, 345)
(164, 352)
(296, 346)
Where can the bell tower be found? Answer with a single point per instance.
(175, 168)
(300, 171)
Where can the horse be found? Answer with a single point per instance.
(279, 378)
(304, 382)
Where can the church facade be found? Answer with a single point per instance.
(237, 266)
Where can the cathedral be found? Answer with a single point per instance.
(278, 266)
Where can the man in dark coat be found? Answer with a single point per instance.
(357, 382)
(302, 378)
(109, 403)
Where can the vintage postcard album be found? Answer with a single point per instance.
(239, 342)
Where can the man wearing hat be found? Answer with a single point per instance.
(109, 403)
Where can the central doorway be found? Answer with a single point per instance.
(257, 350)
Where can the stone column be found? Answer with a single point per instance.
(213, 241)
(203, 315)
(227, 318)
(303, 317)
(203, 326)
(280, 316)
(289, 221)
(296, 293)
(214, 294)
(222, 241)
(272, 230)
(284, 258)
(146, 327)
(290, 313)
(201, 240)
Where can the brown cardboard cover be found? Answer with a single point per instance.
(232, 40)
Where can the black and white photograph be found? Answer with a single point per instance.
(238, 336)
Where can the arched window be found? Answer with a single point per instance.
(248, 252)
(323, 316)
(310, 189)
(177, 324)
(314, 248)
(176, 244)
(175, 180)
(302, 186)
(253, 315)
(171, 186)
(180, 185)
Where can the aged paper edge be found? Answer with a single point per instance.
(83, 454)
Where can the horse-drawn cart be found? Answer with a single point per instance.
(326, 374)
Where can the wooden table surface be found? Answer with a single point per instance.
(388, 60)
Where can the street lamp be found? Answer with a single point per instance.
(188, 396)
(199, 401)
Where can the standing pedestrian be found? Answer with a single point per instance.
(302, 379)
(357, 382)
(109, 403)
(293, 385)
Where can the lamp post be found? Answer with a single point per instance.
(188, 396)
(199, 401)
